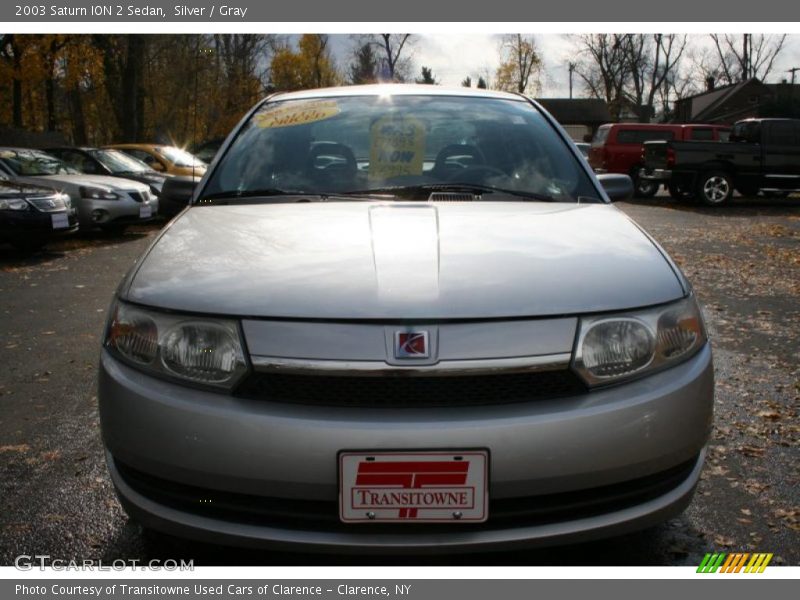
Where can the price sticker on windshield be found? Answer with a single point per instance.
(397, 147)
(296, 113)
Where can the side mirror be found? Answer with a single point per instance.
(616, 186)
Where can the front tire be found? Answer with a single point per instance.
(715, 188)
(643, 188)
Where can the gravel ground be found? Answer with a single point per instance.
(743, 261)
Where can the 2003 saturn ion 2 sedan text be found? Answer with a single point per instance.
(399, 319)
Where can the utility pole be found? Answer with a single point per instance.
(572, 66)
(746, 50)
(793, 70)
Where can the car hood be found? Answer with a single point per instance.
(11, 189)
(146, 176)
(366, 260)
(81, 179)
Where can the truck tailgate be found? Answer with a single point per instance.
(655, 155)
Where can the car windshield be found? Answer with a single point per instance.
(406, 146)
(119, 162)
(180, 158)
(33, 163)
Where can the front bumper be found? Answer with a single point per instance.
(655, 175)
(124, 211)
(34, 225)
(281, 452)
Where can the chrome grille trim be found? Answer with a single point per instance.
(497, 366)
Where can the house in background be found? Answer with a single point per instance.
(580, 117)
(743, 100)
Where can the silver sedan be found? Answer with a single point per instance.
(403, 319)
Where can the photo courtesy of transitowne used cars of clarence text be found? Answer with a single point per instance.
(404, 318)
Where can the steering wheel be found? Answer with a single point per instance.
(342, 160)
(442, 166)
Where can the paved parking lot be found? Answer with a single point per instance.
(744, 261)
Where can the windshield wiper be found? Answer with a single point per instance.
(414, 192)
(263, 192)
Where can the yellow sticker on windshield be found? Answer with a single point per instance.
(297, 114)
(397, 147)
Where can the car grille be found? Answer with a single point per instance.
(321, 515)
(140, 196)
(418, 391)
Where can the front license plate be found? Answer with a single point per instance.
(60, 220)
(413, 487)
(145, 211)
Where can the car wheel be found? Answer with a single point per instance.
(679, 193)
(715, 188)
(644, 188)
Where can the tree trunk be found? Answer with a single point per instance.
(79, 137)
(132, 92)
(16, 93)
(50, 92)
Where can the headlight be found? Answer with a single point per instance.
(13, 204)
(611, 348)
(203, 351)
(95, 193)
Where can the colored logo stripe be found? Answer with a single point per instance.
(733, 563)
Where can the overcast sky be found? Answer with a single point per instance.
(455, 56)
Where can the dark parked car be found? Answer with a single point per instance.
(176, 194)
(106, 161)
(763, 155)
(206, 151)
(31, 215)
(617, 148)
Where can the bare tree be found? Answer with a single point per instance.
(391, 46)
(739, 58)
(630, 69)
(652, 60)
(604, 67)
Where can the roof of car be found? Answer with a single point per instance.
(20, 149)
(395, 89)
(79, 148)
(142, 146)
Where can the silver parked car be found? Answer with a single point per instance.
(102, 201)
(404, 318)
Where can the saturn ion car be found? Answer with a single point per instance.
(404, 319)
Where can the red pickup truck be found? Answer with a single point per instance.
(618, 147)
